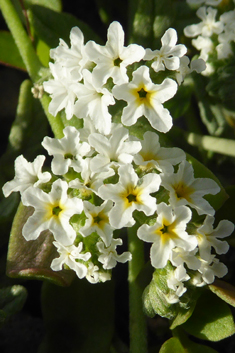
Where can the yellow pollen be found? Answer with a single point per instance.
(166, 231)
(183, 191)
(132, 194)
(100, 220)
(143, 96)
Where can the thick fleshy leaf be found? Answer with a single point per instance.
(157, 295)
(12, 300)
(9, 53)
(55, 5)
(174, 345)
(50, 26)
(32, 259)
(211, 320)
(224, 290)
(79, 318)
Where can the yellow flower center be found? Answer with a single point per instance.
(99, 219)
(183, 191)
(166, 231)
(143, 96)
(132, 195)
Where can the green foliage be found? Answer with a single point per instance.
(32, 259)
(223, 290)
(12, 300)
(175, 345)
(211, 320)
(156, 299)
(81, 317)
(9, 53)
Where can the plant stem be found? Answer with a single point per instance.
(137, 325)
(211, 143)
(21, 38)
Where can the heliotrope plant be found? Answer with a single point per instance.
(114, 176)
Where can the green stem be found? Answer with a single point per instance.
(21, 38)
(138, 329)
(30, 58)
(211, 143)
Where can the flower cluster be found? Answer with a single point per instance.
(103, 178)
(215, 33)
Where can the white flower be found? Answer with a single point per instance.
(175, 280)
(52, 211)
(62, 90)
(130, 194)
(168, 232)
(109, 256)
(205, 45)
(113, 150)
(98, 221)
(68, 256)
(179, 256)
(186, 190)
(152, 155)
(207, 26)
(27, 174)
(146, 98)
(113, 58)
(67, 152)
(208, 237)
(90, 181)
(186, 67)
(74, 58)
(169, 55)
(93, 102)
(208, 270)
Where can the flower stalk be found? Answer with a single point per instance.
(137, 319)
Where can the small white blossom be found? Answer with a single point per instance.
(113, 58)
(208, 270)
(62, 90)
(74, 58)
(208, 237)
(93, 101)
(98, 221)
(175, 280)
(207, 26)
(186, 190)
(113, 150)
(109, 256)
(186, 67)
(179, 256)
(27, 174)
(68, 256)
(152, 155)
(52, 211)
(168, 232)
(169, 55)
(130, 194)
(67, 152)
(143, 97)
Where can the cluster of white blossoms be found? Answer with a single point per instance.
(104, 179)
(214, 35)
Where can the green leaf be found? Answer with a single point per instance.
(172, 345)
(50, 26)
(55, 5)
(156, 298)
(12, 300)
(9, 53)
(79, 318)
(211, 320)
(175, 345)
(223, 290)
(32, 259)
